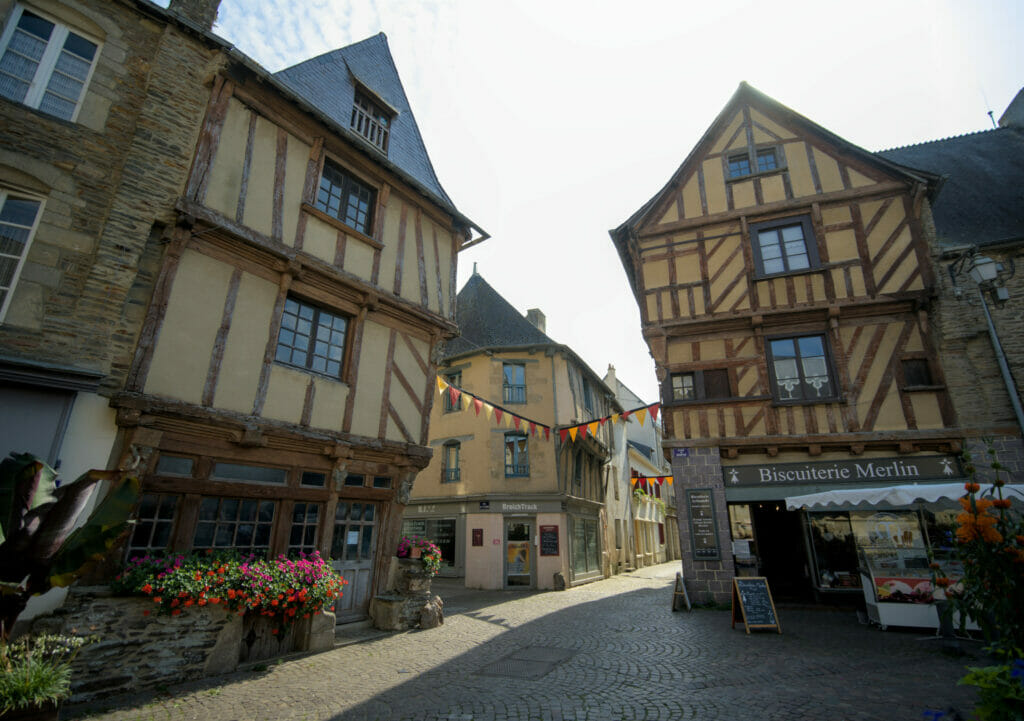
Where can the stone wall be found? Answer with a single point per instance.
(706, 581)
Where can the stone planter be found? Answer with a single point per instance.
(409, 602)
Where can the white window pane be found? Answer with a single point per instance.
(795, 247)
(774, 266)
(12, 88)
(793, 232)
(72, 66)
(815, 367)
(57, 106)
(771, 252)
(768, 237)
(786, 368)
(798, 262)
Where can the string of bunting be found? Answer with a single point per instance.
(650, 480)
(458, 396)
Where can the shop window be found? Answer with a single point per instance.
(312, 338)
(513, 387)
(916, 372)
(45, 64)
(452, 379)
(243, 524)
(355, 479)
(450, 471)
(174, 466)
(305, 520)
(313, 479)
(153, 523)
(249, 474)
(439, 530)
(586, 548)
(517, 455)
(371, 121)
(784, 246)
(19, 217)
(705, 385)
(343, 197)
(382, 481)
(800, 369)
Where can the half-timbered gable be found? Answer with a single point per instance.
(785, 288)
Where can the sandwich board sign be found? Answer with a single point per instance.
(752, 604)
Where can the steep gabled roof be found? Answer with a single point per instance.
(486, 320)
(982, 198)
(328, 82)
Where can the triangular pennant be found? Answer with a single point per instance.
(641, 413)
(593, 428)
(533, 428)
(583, 431)
(441, 385)
(601, 421)
(488, 410)
(478, 404)
(661, 479)
(517, 421)
(467, 400)
(497, 415)
(669, 479)
(573, 431)
(625, 416)
(454, 394)
(547, 434)
(653, 410)
(632, 481)
(615, 418)
(563, 432)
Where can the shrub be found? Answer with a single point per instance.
(36, 670)
(283, 589)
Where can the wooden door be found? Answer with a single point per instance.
(352, 546)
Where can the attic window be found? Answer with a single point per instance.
(371, 121)
(739, 165)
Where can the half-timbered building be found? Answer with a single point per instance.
(785, 286)
(511, 506)
(244, 274)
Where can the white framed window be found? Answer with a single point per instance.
(19, 218)
(45, 64)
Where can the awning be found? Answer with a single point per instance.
(905, 495)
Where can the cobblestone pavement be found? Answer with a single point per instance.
(606, 651)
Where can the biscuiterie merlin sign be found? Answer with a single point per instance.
(867, 470)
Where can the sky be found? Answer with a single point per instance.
(549, 123)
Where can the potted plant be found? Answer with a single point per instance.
(35, 675)
(423, 549)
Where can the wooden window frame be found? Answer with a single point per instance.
(47, 64)
(810, 245)
(699, 386)
(367, 113)
(750, 154)
(905, 384)
(731, 158)
(452, 378)
(517, 469)
(346, 351)
(511, 392)
(303, 525)
(7, 194)
(833, 376)
(348, 182)
(450, 473)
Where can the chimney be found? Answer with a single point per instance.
(610, 379)
(202, 13)
(537, 319)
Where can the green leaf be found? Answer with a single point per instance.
(25, 484)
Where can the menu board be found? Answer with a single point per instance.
(752, 603)
(703, 529)
(549, 540)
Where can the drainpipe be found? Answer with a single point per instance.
(1004, 368)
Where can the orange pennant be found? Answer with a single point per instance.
(453, 394)
(593, 428)
(573, 431)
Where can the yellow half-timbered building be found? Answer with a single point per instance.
(785, 288)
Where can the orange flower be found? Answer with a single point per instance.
(1001, 503)
(943, 582)
(972, 487)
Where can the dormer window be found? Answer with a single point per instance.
(371, 121)
(766, 160)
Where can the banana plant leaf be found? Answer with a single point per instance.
(26, 483)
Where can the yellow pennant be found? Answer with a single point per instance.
(614, 418)
(467, 400)
(488, 409)
(593, 429)
(441, 385)
(572, 432)
(641, 413)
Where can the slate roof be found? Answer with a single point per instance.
(982, 199)
(328, 83)
(486, 320)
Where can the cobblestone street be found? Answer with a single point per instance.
(606, 651)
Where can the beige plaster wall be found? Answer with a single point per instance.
(246, 343)
(484, 565)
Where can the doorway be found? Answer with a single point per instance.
(352, 551)
(781, 551)
(518, 553)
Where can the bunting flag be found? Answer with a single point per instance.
(651, 480)
(503, 417)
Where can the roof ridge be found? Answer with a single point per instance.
(942, 140)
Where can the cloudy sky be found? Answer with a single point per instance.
(551, 122)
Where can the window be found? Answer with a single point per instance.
(588, 397)
(353, 479)
(513, 387)
(578, 470)
(305, 518)
(739, 165)
(45, 65)
(452, 379)
(343, 197)
(249, 474)
(371, 121)
(800, 369)
(450, 471)
(354, 526)
(766, 160)
(240, 523)
(153, 524)
(701, 385)
(18, 220)
(174, 466)
(312, 338)
(916, 372)
(313, 478)
(382, 481)
(783, 246)
(517, 455)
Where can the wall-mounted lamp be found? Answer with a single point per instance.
(983, 269)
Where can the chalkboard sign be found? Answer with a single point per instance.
(752, 604)
(549, 540)
(703, 529)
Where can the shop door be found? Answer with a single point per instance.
(352, 546)
(780, 547)
(518, 553)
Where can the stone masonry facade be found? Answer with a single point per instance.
(706, 581)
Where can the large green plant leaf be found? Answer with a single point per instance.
(26, 483)
(58, 520)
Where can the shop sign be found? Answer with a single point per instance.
(680, 452)
(866, 470)
(703, 529)
(521, 506)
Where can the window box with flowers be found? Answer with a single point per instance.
(417, 547)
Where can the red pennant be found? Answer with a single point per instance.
(516, 420)
(563, 433)
(653, 410)
(625, 416)
(547, 434)
(533, 428)
(661, 479)
(601, 421)
(497, 414)
(583, 431)
(478, 404)
(453, 394)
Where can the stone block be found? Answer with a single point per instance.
(386, 613)
(432, 613)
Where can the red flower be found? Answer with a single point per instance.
(147, 589)
(175, 612)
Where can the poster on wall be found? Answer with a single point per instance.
(518, 558)
(703, 530)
